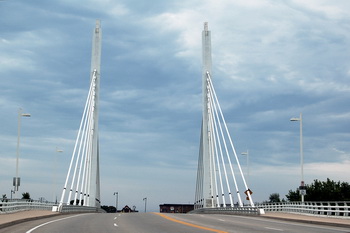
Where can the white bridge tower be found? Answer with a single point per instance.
(82, 185)
(216, 173)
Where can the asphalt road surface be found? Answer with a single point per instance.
(164, 223)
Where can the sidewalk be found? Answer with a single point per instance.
(322, 220)
(23, 216)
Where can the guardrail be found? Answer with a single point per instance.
(15, 205)
(246, 210)
(324, 208)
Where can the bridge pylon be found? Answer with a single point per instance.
(82, 185)
(216, 172)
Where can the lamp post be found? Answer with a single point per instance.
(54, 198)
(247, 154)
(16, 180)
(302, 184)
(116, 201)
(145, 200)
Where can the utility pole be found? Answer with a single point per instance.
(116, 201)
(145, 200)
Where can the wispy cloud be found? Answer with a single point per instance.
(271, 61)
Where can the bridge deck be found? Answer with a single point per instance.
(13, 218)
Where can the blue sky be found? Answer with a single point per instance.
(271, 61)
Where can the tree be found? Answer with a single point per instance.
(274, 197)
(328, 191)
(323, 191)
(293, 195)
(26, 195)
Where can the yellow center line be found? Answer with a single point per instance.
(189, 224)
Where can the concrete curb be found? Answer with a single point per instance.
(333, 224)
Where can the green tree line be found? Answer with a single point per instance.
(328, 190)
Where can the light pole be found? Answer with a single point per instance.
(16, 180)
(54, 198)
(116, 201)
(145, 200)
(247, 154)
(302, 184)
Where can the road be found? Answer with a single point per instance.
(164, 223)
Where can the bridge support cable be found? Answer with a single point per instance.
(199, 198)
(214, 154)
(83, 153)
(230, 141)
(216, 172)
(75, 148)
(81, 157)
(83, 172)
(86, 149)
(221, 158)
(213, 177)
(221, 138)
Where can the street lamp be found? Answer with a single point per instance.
(302, 184)
(247, 154)
(145, 199)
(54, 198)
(16, 180)
(116, 201)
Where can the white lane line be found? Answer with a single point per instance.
(34, 228)
(222, 220)
(274, 229)
(115, 218)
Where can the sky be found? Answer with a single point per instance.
(272, 60)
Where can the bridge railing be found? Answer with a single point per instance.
(246, 210)
(324, 208)
(15, 205)
(76, 208)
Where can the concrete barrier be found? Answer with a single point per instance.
(230, 210)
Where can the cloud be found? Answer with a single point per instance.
(271, 61)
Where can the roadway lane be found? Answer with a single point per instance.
(169, 223)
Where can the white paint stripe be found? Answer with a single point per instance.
(115, 225)
(34, 228)
(115, 218)
(275, 229)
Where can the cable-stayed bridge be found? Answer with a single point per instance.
(219, 172)
(220, 180)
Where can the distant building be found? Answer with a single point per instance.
(175, 208)
(127, 209)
